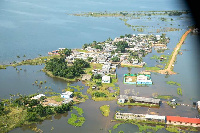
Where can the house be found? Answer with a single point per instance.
(86, 77)
(67, 95)
(144, 79)
(37, 97)
(135, 61)
(106, 79)
(185, 121)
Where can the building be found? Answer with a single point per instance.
(129, 116)
(145, 100)
(144, 79)
(123, 99)
(38, 96)
(198, 106)
(67, 95)
(185, 121)
(146, 117)
(106, 79)
(157, 118)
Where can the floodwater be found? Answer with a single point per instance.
(36, 27)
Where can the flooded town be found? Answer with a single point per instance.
(103, 67)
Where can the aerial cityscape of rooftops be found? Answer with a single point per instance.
(133, 82)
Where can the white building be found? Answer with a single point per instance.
(38, 96)
(106, 79)
(67, 95)
(198, 106)
(143, 79)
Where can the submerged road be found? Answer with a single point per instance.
(169, 68)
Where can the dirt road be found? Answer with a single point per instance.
(169, 69)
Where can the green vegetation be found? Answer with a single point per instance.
(121, 45)
(79, 110)
(66, 52)
(57, 98)
(144, 127)
(173, 83)
(179, 91)
(164, 97)
(36, 61)
(23, 110)
(59, 67)
(139, 104)
(117, 125)
(152, 68)
(76, 121)
(115, 59)
(105, 110)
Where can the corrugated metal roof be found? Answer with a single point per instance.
(183, 119)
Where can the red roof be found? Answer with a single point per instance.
(183, 119)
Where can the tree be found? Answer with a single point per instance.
(121, 45)
(81, 63)
(67, 52)
(89, 59)
(32, 116)
(85, 45)
(1, 108)
(97, 76)
(115, 59)
(33, 102)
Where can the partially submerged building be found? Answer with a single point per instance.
(68, 96)
(139, 79)
(144, 79)
(123, 99)
(136, 99)
(146, 117)
(184, 121)
(145, 100)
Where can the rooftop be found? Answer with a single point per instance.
(183, 119)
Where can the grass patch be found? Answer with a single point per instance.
(179, 91)
(105, 110)
(117, 125)
(15, 118)
(57, 98)
(164, 97)
(139, 104)
(79, 110)
(35, 61)
(173, 83)
(152, 68)
(76, 121)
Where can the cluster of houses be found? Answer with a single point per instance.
(139, 79)
(67, 96)
(136, 99)
(173, 120)
(142, 43)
